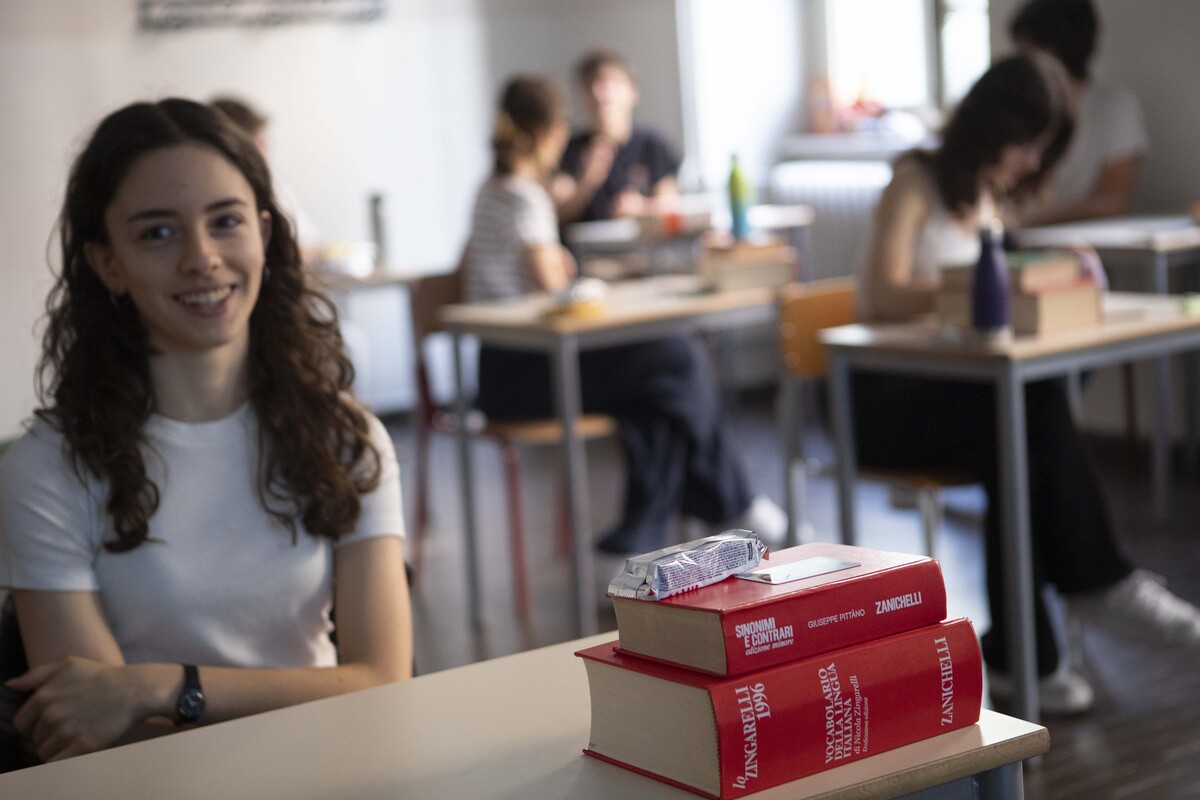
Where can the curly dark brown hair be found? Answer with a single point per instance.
(315, 453)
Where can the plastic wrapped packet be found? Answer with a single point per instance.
(691, 565)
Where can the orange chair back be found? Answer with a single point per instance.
(804, 310)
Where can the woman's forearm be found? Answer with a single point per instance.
(232, 692)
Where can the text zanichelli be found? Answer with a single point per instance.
(898, 602)
(946, 678)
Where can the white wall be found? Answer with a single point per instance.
(402, 106)
(748, 77)
(549, 36)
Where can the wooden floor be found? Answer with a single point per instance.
(1141, 741)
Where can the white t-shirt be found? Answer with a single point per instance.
(512, 214)
(943, 240)
(1110, 128)
(223, 584)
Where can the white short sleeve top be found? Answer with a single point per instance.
(511, 215)
(220, 582)
(1110, 127)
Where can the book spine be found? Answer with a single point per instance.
(784, 723)
(839, 615)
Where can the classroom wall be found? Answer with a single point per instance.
(402, 106)
(549, 36)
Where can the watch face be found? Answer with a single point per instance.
(191, 705)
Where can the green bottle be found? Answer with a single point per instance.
(739, 200)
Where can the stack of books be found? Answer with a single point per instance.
(1049, 293)
(727, 264)
(829, 654)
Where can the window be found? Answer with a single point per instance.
(877, 52)
(905, 54)
(964, 46)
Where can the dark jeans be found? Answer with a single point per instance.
(679, 452)
(916, 423)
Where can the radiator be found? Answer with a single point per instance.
(842, 195)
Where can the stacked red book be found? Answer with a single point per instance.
(831, 654)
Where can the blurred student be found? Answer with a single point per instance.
(254, 123)
(997, 147)
(1098, 174)
(199, 486)
(615, 167)
(680, 456)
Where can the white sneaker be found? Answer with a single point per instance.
(764, 518)
(1061, 693)
(1140, 605)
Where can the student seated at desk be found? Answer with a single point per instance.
(199, 486)
(1097, 175)
(999, 143)
(611, 170)
(680, 454)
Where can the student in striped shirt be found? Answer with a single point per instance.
(679, 453)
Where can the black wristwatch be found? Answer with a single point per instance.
(190, 705)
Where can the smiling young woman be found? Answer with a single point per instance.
(199, 485)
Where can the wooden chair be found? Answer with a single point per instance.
(804, 310)
(428, 295)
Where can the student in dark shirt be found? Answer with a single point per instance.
(610, 170)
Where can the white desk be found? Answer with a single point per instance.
(511, 728)
(614, 237)
(636, 311)
(1160, 243)
(1158, 238)
(1136, 327)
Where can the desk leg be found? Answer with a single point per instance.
(792, 452)
(565, 373)
(842, 408)
(1004, 782)
(1191, 398)
(466, 479)
(1074, 381)
(1162, 439)
(1161, 445)
(1017, 549)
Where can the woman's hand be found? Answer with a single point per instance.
(597, 161)
(79, 705)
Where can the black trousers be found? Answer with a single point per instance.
(917, 423)
(679, 452)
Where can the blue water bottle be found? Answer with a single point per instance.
(990, 314)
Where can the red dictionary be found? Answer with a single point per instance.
(729, 737)
(850, 595)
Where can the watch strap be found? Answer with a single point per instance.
(190, 704)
